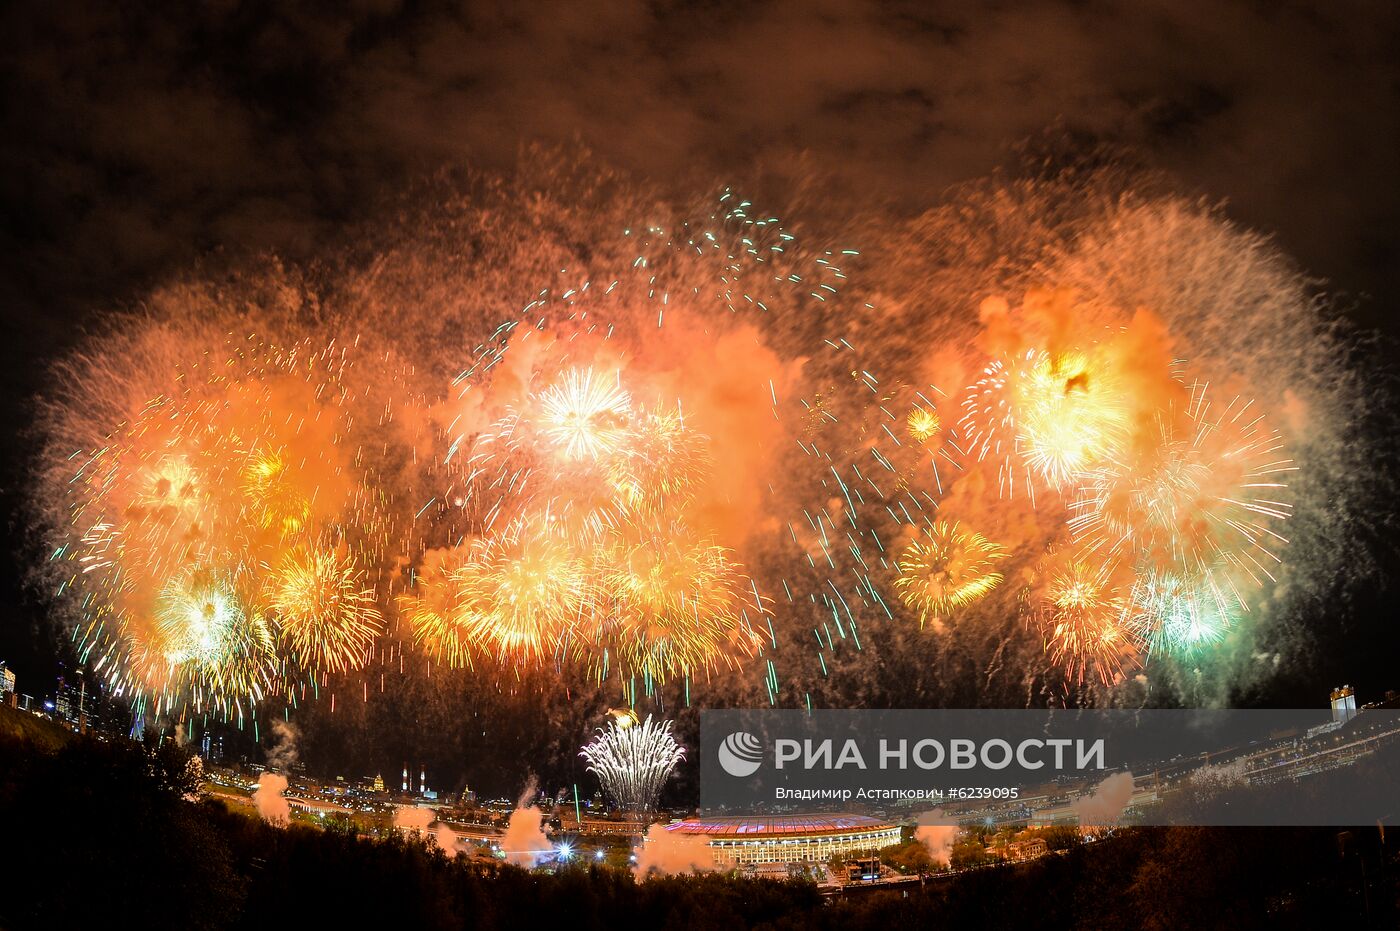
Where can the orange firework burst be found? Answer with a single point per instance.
(1081, 621)
(1052, 415)
(584, 414)
(169, 488)
(238, 464)
(661, 465)
(1207, 495)
(328, 616)
(1070, 415)
(275, 501)
(947, 568)
(678, 606)
(580, 504)
(517, 596)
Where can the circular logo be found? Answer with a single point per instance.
(741, 754)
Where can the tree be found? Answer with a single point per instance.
(1060, 836)
(909, 857)
(969, 853)
(89, 818)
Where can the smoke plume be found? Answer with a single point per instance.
(282, 755)
(420, 821)
(937, 834)
(525, 842)
(669, 852)
(273, 807)
(1106, 805)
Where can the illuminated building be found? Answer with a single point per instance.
(790, 838)
(211, 747)
(1343, 704)
(1027, 849)
(71, 703)
(617, 827)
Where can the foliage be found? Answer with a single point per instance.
(103, 833)
(908, 857)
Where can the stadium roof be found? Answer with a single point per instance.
(781, 826)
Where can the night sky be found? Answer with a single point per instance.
(141, 138)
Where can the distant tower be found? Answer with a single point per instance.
(422, 778)
(1343, 704)
(405, 777)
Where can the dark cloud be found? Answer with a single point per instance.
(140, 134)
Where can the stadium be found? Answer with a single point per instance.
(790, 838)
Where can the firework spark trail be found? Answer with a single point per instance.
(593, 492)
(328, 616)
(947, 568)
(1188, 507)
(1081, 620)
(217, 532)
(633, 761)
(991, 409)
(715, 452)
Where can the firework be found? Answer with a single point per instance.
(1046, 415)
(551, 456)
(923, 424)
(584, 414)
(991, 411)
(220, 515)
(1082, 623)
(947, 568)
(327, 614)
(882, 454)
(274, 500)
(1071, 416)
(624, 717)
(659, 468)
(517, 597)
(584, 551)
(633, 762)
(677, 606)
(434, 610)
(1203, 499)
(1181, 614)
(214, 641)
(207, 503)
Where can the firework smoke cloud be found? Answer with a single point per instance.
(724, 463)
